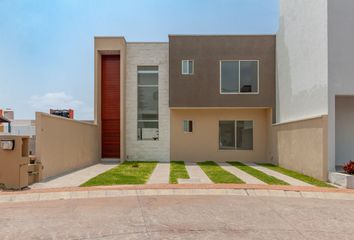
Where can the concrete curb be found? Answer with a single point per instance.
(175, 190)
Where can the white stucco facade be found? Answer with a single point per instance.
(147, 54)
(302, 62)
(341, 82)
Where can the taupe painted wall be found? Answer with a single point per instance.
(302, 146)
(64, 144)
(107, 46)
(203, 143)
(202, 89)
(14, 163)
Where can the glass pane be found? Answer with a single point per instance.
(148, 68)
(190, 127)
(185, 125)
(249, 76)
(148, 130)
(148, 103)
(190, 62)
(229, 76)
(184, 67)
(227, 134)
(148, 78)
(245, 135)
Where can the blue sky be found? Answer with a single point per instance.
(46, 46)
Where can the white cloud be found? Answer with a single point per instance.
(61, 100)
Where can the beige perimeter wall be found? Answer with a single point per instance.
(302, 146)
(64, 144)
(203, 143)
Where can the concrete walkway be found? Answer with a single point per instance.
(75, 178)
(290, 180)
(195, 173)
(247, 178)
(161, 174)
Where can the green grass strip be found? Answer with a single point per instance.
(125, 173)
(177, 170)
(217, 174)
(258, 174)
(299, 176)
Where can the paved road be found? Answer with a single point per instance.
(179, 217)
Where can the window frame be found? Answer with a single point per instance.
(148, 86)
(188, 60)
(239, 76)
(188, 120)
(235, 124)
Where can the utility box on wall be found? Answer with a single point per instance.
(14, 160)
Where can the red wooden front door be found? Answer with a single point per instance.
(110, 106)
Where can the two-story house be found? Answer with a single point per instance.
(194, 98)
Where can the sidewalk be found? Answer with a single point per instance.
(247, 190)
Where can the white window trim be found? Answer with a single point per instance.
(187, 73)
(235, 148)
(192, 126)
(239, 77)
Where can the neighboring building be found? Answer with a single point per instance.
(9, 114)
(22, 128)
(67, 113)
(315, 84)
(1, 124)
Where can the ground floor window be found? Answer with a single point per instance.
(236, 135)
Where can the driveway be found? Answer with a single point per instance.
(179, 217)
(75, 178)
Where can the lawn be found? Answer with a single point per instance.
(258, 174)
(177, 170)
(297, 175)
(217, 174)
(125, 173)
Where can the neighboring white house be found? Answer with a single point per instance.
(315, 79)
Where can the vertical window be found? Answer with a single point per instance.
(188, 126)
(227, 134)
(236, 135)
(239, 76)
(244, 135)
(229, 76)
(148, 111)
(187, 67)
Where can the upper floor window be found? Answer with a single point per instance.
(239, 76)
(148, 97)
(187, 67)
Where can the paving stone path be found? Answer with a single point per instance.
(247, 178)
(196, 174)
(161, 174)
(285, 178)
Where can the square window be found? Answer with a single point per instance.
(236, 135)
(239, 76)
(187, 67)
